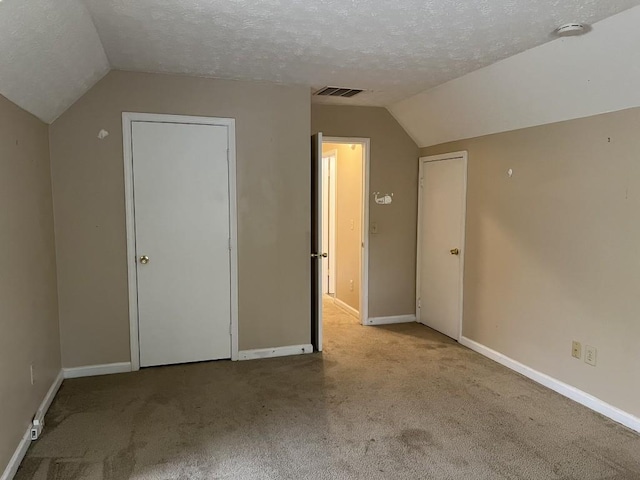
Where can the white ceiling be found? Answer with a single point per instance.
(51, 53)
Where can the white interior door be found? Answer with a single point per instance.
(182, 225)
(328, 223)
(441, 238)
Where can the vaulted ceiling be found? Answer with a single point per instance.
(53, 51)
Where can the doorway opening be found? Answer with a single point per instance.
(342, 230)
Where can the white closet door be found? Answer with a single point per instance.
(443, 193)
(181, 201)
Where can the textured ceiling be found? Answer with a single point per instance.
(50, 54)
(393, 47)
(53, 51)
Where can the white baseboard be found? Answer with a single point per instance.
(390, 320)
(17, 457)
(94, 370)
(23, 446)
(275, 352)
(347, 308)
(48, 398)
(575, 394)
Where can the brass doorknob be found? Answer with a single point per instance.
(455, 251)
(144, 259)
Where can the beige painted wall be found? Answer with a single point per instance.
(272, 131)
(552, 253)
(348, 221)
(28, 298)
(393, 168)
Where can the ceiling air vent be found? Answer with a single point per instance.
(338, 92)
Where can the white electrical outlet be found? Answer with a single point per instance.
(591, 355)
(36, 429)
(374, 227)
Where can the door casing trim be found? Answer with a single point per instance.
(128, 118)
(437, 158)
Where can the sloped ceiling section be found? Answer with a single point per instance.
(563, 80)
(391, 48)
(50, 54)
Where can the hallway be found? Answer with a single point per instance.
(397, 402)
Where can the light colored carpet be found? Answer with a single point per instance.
(400, 402)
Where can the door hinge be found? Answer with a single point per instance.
(419, 303)
(229, 243)
(422, 183)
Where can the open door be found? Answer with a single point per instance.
(317, 253)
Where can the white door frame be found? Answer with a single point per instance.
(437, 158)
(364, 259)
(127, 121)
